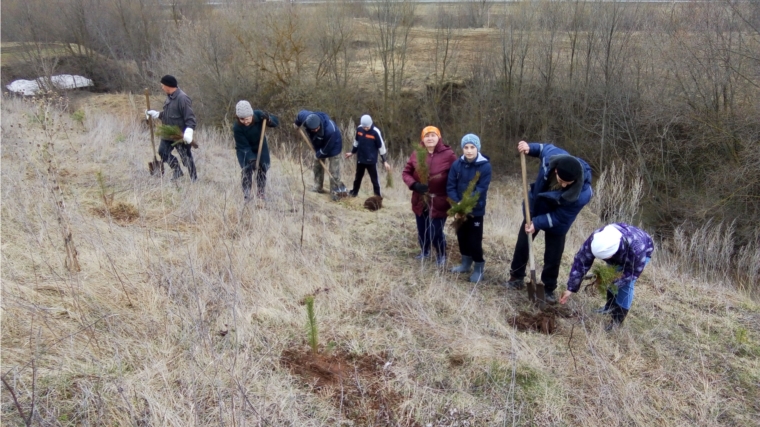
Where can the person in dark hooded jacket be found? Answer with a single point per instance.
(327, 141)
(561, 190)
(247, 133)
(470, 233)
(429, 200)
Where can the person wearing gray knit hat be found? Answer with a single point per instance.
(368, 142)
(247, 132)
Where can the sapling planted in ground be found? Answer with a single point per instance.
(311, 326)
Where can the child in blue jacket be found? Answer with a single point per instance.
(368, 142)
(470, 233)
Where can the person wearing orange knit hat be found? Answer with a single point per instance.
(429, 202)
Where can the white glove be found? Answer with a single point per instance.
(151, 113)
(188, 137)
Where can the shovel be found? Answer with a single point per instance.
(339, 193)
(156, 166)
(535, 290)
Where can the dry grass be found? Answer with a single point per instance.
(181, 317)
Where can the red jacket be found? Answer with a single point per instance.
(439, 163)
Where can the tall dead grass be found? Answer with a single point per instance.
(180, 317)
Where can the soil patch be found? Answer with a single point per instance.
(359, 386)
(120, 212)
(543, 321)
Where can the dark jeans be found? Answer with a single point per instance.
(430, 232)
(165, 151)
(372, 169)
(555, 246)
(247, 178)
(470, 238)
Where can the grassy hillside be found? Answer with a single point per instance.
(187, 308)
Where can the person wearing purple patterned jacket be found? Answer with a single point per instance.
(619, 244)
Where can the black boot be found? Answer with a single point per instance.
(606, 308)
(617, 313)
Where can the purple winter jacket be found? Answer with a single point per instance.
(633, 254)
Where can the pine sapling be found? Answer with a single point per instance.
(605, 278)
(423, 172)
(311, 326)
(172, 133)
(465, 206)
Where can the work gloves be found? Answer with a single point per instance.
(420, 188)
(151, 113)
(265, 116)
(188, 136)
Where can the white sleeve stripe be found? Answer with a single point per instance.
(382, 143)
(549, 218)
(356, 143)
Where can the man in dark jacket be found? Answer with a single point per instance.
(177, 111)
(327, 142)
(561, 190)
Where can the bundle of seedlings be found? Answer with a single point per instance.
(465, 206)
(389, 180)
(172, 133)
(423, 171)
(604, 278)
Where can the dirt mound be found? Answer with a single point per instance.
(544, 321)
(357, 385)
(120, 212)
(373, 203)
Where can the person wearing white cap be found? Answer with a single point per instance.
(368, 142)
(247, 134)
(619, 244)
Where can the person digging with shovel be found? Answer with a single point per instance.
(629, 249)
(561, 190)
(327, 141)
(251, 146)
(177, 111)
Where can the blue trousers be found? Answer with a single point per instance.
(624, 297)
(430, 232)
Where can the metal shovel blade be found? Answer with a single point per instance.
(156, 167)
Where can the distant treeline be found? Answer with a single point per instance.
(670, 90)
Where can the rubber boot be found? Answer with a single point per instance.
(477, 274)
(618, 314)
(606, 308)
(465, 266)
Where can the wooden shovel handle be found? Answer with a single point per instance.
(261, 143)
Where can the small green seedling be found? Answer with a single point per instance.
(465, 206)
(311, 326)
(605, 277)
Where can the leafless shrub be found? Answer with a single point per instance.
(617, 195)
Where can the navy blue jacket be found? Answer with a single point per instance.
(554, 211)
(367, 143)
(460, 175)
(327, 141)
(247, 140)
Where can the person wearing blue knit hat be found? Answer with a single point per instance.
(470, 232)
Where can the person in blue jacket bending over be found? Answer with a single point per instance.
(327, 141)
(561, 190)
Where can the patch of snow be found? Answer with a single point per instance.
(61, 81)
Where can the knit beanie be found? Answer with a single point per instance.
(169, 80)
(312, 122)
(430, 129)
(606, 242)
(366, 121)
(569, 168)
(243, 109)
(473, 139)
